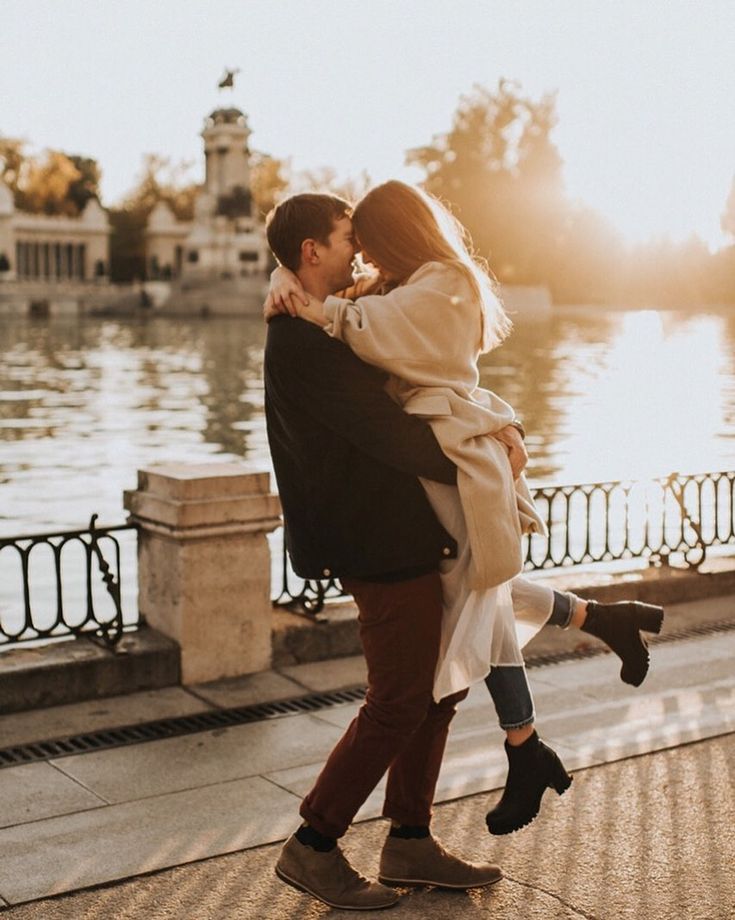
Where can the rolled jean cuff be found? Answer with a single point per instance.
(511, 695)
(509, 726)
(562, 609)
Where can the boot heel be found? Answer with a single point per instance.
(650, 618)
(561, 780)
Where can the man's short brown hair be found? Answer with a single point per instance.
(308, 216)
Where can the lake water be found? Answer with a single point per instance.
(85, 402)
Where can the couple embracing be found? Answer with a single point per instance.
(402, 478)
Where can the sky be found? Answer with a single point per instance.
(645, 89)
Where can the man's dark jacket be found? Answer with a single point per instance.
(346, 459)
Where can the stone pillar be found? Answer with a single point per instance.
(204, 563)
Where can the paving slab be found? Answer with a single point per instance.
(298, 780)
(141, 770)
(614, 732)
(110, 712)
(115, 842)
(36, 790)
(475, 762)
(685, 659)
(584, 711)
(334, 674)
(477, 709)
(649, 838)
(245, 691)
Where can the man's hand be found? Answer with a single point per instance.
(511, 438)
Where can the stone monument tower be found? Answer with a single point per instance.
(225, 240)
(217, 261)
(227, 162)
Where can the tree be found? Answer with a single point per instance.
(325, 179)
(12, 160)
(499, 171)
(268, 181)
(588, 259)
(46, 184)
(127, 244)
(727, 221)
(54, 182)
(163, 180)
(160, 179)
(87, 185)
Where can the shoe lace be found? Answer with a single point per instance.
(345, 871)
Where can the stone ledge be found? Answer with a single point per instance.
(77, 670)
(197, 481)
(297, 640)
(263, 510)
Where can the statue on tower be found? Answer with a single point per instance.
(228, 81)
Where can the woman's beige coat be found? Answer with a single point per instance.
(426, 334)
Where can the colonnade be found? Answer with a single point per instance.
(51, 260)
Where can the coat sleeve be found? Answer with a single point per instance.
(330, 384)
(430, 322)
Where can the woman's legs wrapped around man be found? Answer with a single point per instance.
(533, 766)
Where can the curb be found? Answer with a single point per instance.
(78, 669)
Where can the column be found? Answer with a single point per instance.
(204, 563)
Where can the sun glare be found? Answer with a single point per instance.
(654, 401)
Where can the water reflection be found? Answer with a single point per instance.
(84, 403)
(623, 395)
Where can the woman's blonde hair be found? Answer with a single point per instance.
(403, 228)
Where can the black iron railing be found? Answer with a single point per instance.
(647, 519)
(673, 516)
(41, 599)
(598, 522)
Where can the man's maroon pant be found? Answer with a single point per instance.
(399, 727)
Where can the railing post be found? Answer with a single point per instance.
(204, 563)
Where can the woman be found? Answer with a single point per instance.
(425, 321)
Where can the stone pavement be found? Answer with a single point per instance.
(647, 837)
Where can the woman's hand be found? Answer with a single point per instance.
(511, 438)
(313, 311)
(284, 295)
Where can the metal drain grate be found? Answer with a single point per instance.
(105, 739)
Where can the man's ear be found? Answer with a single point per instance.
(309, 255)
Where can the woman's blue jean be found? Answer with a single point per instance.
(508, 684)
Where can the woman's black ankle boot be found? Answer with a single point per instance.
(619, 626)
(532, 769)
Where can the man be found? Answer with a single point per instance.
(347, 461)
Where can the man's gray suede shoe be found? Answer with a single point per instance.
(424, 861)
(330, 878)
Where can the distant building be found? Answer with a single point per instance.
(225, 240)
(42, 250)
